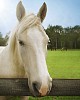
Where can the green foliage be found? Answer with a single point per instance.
(60, 37)
(41, 98)
(4, 40)
(13, 98)
(57, 98)
(0, 35)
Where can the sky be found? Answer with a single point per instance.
(60, 12)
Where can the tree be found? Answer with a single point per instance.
(0, 35)
(6, 37)
(60, 37)
(2, 41)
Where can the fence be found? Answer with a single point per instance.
(19, 87)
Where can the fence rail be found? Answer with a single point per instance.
(19, 87)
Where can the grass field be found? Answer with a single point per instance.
(63, 64)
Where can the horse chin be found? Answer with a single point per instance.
(35, 92)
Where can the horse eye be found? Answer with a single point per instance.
(21, 43)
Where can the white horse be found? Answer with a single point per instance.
(25, 54)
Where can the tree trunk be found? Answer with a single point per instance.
(56, 43)
(75, 44)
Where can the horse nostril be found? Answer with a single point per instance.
(36, 87)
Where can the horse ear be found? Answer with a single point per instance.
(42, 12)
(20, 11)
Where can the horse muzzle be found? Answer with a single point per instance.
(39, 89)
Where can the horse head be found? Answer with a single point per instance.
(32, 47)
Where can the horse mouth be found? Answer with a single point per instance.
(35, 91)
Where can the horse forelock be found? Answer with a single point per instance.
(28, 21)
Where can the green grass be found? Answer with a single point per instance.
(63, 64)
